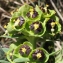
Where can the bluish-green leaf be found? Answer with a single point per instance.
(5, 49)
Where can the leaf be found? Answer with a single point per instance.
(61, 61)
(3, 61)
(21, 59)
(2, 54)
(8, 36)
(5, 49)
(58, 58)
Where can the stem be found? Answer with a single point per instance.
(38, 2)
(32, 40)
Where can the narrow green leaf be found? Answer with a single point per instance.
(3, 61)
(21, 59)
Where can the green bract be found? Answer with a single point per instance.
(51, 13)
(36, 55)
(53, 26)
(46, 13)
(10, 27)
(26, 15)
(38, 15)
(14, 22)
(10, 53)
(23, 50)
(34, 30)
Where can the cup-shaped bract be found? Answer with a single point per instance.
(34, 14)
(18, 19)
(39, 55)
(36, 28)
(53, 26)
(10, 53)
(46, 13)
(23, 50)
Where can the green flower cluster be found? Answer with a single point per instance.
(30, 24)
(26, 53)
(34, 21)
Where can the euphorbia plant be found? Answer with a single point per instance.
(29, 25)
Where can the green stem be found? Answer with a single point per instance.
(32, 40)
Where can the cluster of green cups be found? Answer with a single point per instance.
(32, 22)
